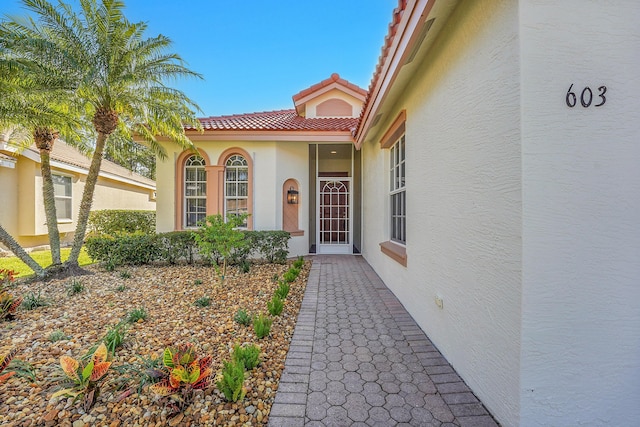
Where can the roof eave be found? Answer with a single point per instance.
(404, 38)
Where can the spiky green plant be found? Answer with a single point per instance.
(242, 317)
(262, 325)
(275, 306)
(136, 315)
(249, 355)
(115, 336)
(32, 301)
(74, 287)
(232, 382)
(283, 290)
(203, 302)
(58, 335)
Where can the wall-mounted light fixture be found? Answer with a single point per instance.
(292, 196)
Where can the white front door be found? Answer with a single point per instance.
(334, 216)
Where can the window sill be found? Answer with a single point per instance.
(65, 221)
(297, 233)
(395, 252)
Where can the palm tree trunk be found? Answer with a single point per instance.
(50, 206)
(14, 247)
(87, 200)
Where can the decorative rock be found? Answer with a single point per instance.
(167, 293)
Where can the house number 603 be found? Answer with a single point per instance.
(586, 97)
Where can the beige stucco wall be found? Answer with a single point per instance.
(464, 202)
(9, 179)
(356, 104)
(273, 162)
(22, 212)
(581, 233)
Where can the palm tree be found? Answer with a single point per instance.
(23, 105)
(118, 78)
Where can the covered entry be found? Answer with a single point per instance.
(335, 216)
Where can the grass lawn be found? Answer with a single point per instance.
(41, 257)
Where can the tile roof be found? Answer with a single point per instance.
(67, 154)
(388, 40)
(281, 120)
(335, 78)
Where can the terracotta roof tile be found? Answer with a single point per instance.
(388, 40)
(281, 120)
(335, 78)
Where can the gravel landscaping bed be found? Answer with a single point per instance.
(168, 294)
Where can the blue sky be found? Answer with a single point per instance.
(256, 54)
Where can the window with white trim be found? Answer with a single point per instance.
(397, 193)
(62, 197)
(195, 191)
(236, 186)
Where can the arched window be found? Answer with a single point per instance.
(236, 186)
(195, 191)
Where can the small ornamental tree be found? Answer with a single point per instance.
(219, 239)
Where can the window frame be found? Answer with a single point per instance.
(398, 192)
(395, 248)
(237, 184)
(66, 198)
(186, 197)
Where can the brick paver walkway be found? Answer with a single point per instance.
(358, 358)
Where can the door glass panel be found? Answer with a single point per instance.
(334, 212)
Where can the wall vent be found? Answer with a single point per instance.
(423, 33)
(376, 120)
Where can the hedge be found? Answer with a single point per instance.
(180, 246)
(116, 221)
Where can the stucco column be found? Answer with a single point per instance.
(215, 189)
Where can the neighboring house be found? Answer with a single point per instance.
(21, 201)
(494, 187)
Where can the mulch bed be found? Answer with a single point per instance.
(168, 294)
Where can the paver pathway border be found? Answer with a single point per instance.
(342, 370)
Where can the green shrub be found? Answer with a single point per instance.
(273, 246)
(275, 306)
(136, 314)
(203, 302)
(262, 325)
(197, 282)
(58, 335)
(248, 355)
(133, 249)
(242, 317)
(177, 246)
(115, 221)
(299, 262)
(245, 266)
(232, 382)
(220, 238)
(121, 288)
(290, 275)
(32, 301)
(74, 287)
(115, 336)
(283, 290)
(124, 274)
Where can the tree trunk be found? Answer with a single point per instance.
(87, 200)
(20, 253)
(50, 206)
